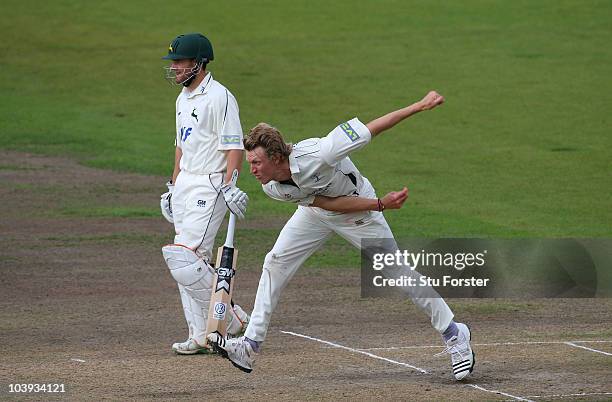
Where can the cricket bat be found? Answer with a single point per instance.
(223, 284)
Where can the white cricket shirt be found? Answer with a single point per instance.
(321, 166)
(207, 124)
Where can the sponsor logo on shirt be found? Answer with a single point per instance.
(201, 203)
(185, 132)
(231, 139)
(321, 190)
(194, 115)
(349, 131)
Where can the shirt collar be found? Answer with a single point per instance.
(293, 165)
(293, 168)
(202, 88)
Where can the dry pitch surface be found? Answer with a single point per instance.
(88, 302)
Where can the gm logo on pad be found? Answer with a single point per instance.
(349, 131)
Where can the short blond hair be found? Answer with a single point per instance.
(270, 139)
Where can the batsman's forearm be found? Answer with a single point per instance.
(345, 204)
(177, 163)
(234, 161)
(389, 120)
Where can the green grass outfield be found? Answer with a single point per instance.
(521, 148)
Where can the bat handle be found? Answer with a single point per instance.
(229, 239)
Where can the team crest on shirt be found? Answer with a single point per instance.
(316, 177)
(349, 131)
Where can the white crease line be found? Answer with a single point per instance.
(356, 351)
(587, 341)
(568, 395)
(78, 360)
(486, 344)
(516, 398)
(363, 352)
(584, 347)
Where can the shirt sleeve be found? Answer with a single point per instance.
(177, 139)
(230, 130)
(344, 139)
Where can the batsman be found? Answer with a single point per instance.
(332, 196)
(208, 149)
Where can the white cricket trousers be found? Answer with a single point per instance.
(303, 234)
(198, 209)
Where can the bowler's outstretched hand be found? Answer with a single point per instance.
(431, 100)
(395, 199)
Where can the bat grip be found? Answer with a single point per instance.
(229, 238)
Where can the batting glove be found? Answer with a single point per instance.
(166, 203)
(235, 199)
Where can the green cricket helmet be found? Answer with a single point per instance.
(190, 46)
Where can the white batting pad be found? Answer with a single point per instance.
(185, 265)
(196, 276)
(238, 320)
(190, 271)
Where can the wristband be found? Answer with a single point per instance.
(381, 206)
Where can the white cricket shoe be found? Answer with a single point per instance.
(237, 350)
(190, 347)
(463, 357)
